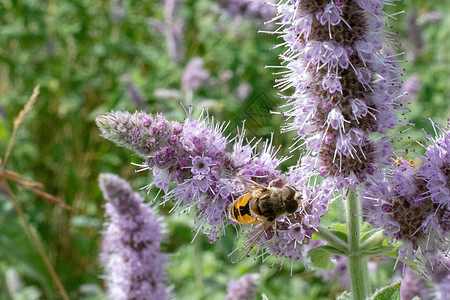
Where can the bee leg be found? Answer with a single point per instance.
(274, 227)
(302, 206)
(273, 181)
(253, 183)
(291, 186)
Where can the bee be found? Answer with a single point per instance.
(261, 206)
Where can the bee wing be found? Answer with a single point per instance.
(243, 249)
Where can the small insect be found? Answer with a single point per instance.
(377, 259)
(261, 206)
(399, 162)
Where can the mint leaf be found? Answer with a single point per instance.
(391, 292)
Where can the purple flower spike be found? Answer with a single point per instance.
(130, 254)
(436, 167)
(442, 290)
(193, 155)
(412, 285)
(411, 204)
(140, 132)
(411, 87)
(243, 288)
(439, 269)
(194, 75)
(434, 286)
(249, 9)
(209, 178)
(345, 87)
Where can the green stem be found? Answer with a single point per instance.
(356, 261)
(331, 239)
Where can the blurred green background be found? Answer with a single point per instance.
(93, 56)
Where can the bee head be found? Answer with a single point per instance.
(288, 192)
(291, 205)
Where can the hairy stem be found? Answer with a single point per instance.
(356, 261)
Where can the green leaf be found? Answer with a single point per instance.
(339, 227)
(321, 257)
(367, 232)
(345, 296)
(391, 292)
(373, 240)
(341, 235)
(340, 231)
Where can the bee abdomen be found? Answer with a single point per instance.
(244, 210)
(242, 214)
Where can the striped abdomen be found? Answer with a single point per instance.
(240, 212)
